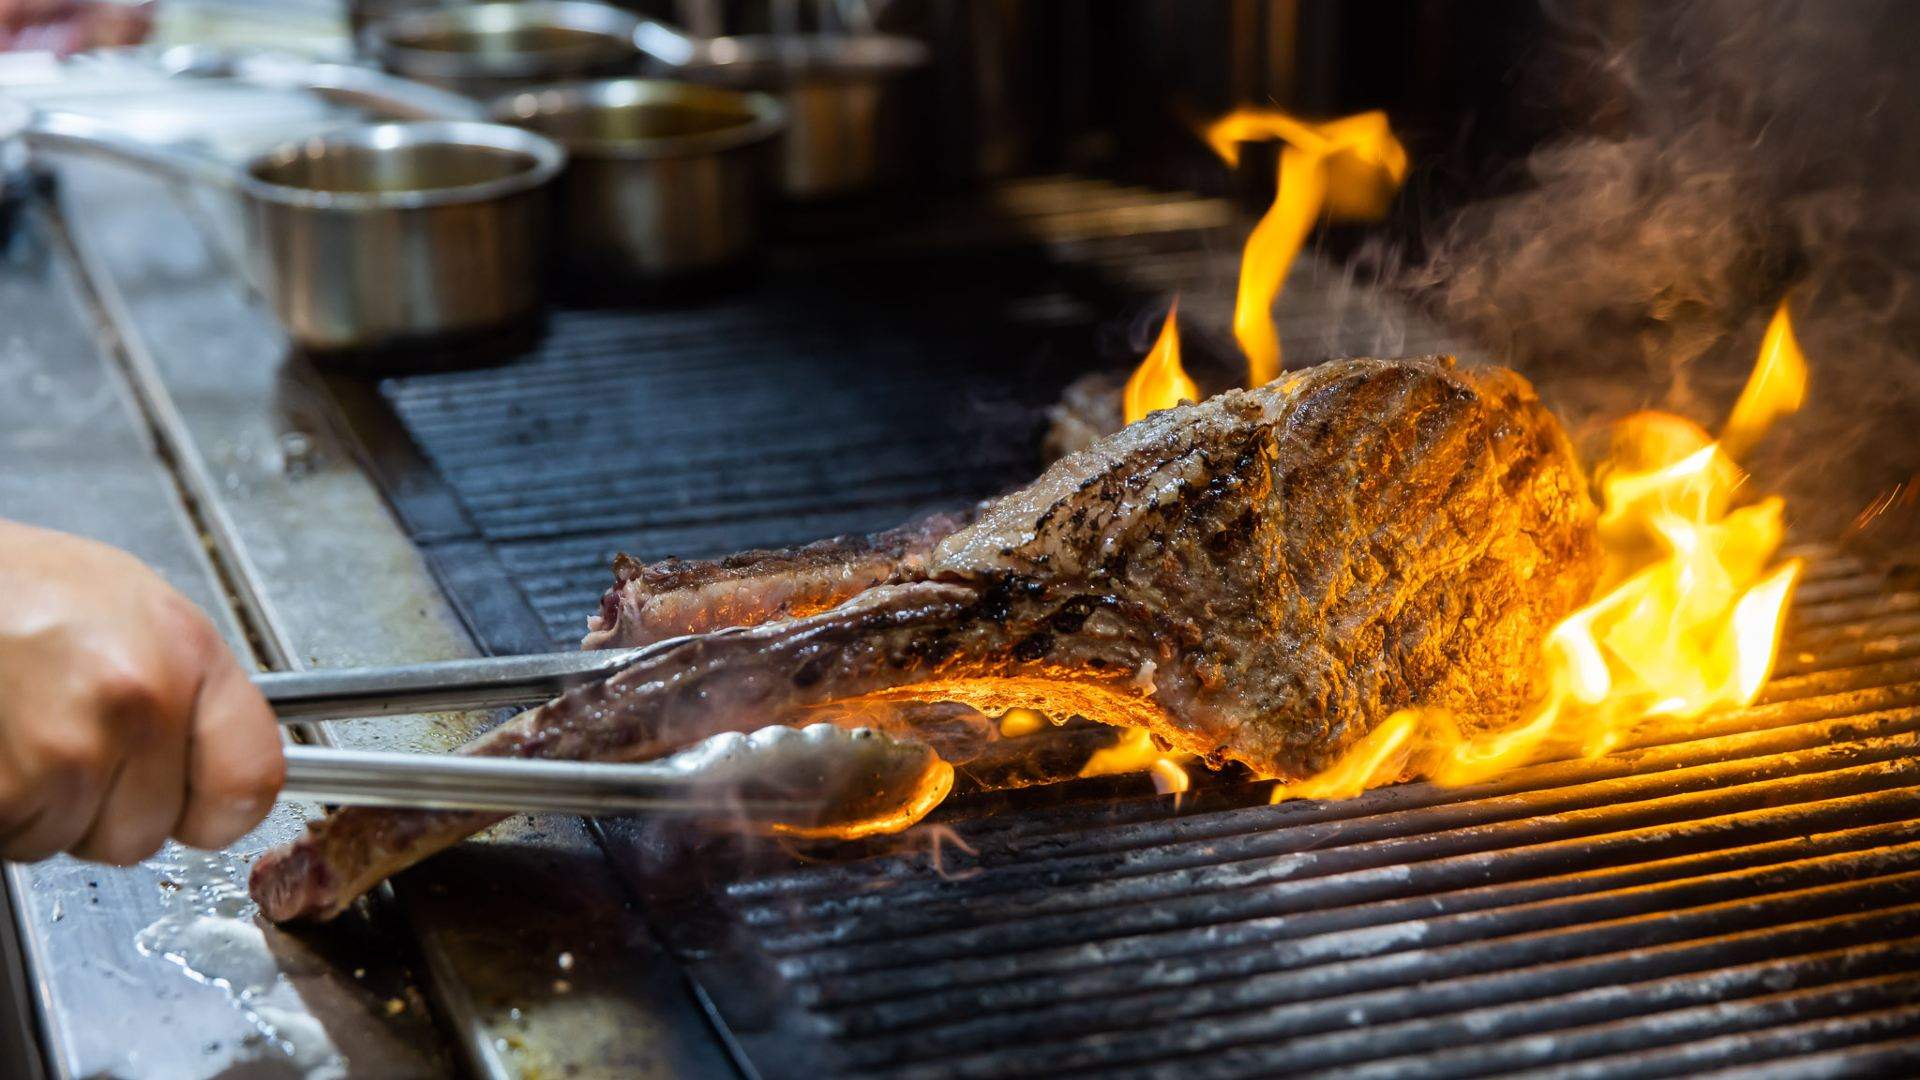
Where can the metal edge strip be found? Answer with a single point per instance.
(450, 995)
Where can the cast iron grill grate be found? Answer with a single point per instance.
(1748, 898)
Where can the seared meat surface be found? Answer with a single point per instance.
(1261, 577)
(651, 602)
(1090, 409)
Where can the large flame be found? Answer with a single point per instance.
(1689, 612)
(1777, 387)
(1160, 382)
(1688, 615)
(1346, 169)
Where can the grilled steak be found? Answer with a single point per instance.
(1089, 409)
(651, 602)
(1261, 577)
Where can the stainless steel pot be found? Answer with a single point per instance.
(376, 236)
(664, 179)
(848, 121)
(482, 50)
(848, 117)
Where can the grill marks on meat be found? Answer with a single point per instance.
(1312, 556)
(1261, 577)
(675, 597)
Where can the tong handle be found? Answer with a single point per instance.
(506, 785)
(441, 686)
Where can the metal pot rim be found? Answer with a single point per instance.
(806, 57)
(612, 28)
(547, 158)
(762, 117)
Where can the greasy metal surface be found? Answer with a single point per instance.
(109, 1003)
(1746, 894)
(330, 579)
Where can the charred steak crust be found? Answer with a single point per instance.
(1261, 577)
(651, 602)
(1361, 537)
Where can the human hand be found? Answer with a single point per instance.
(70, 26)
(124, 718)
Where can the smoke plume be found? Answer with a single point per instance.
(1744, 152)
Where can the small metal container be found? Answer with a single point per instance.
(379, 236)
(664, 179)
(482, 50)
(849, 123)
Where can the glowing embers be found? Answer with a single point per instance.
(1687, 617)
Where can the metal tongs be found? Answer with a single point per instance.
(442, 686)
(820, 780)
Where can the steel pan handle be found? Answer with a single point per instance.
(346, 84)
(71, 132)
(362, 87)
(665, 42)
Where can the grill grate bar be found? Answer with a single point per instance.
(1815, 592)
(671, 364)
(1759, 875)
(1142, 889)
(1420, 984)
(1823, 561)
(1890, 640)
(881, 491)
(1052, 842)
(1700, 1009)
(666, 437)
(1374, 898)
(1855, 610)
(1093, 825)
(885, 454)
(1800, 1050)
(1199, 985)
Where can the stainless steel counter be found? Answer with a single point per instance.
(264, 518)
(81, 456)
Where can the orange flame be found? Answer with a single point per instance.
(1377, 758)
(1777, 387)
(1160, 382)
(1688, 616)
(1347, 169)
(1135, 751)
